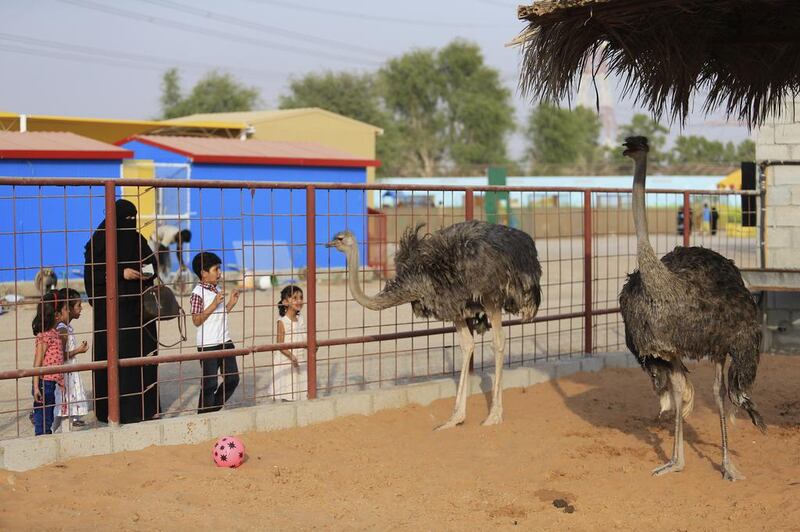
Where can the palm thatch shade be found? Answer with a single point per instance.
(742, 55)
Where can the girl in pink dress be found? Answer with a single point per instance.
(49, 352)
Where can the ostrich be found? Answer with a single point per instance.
(467, 273)
(45, 280)
(690, 304)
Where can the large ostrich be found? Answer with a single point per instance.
(692, 303)
(467, 273)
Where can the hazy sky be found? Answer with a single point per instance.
(99, 58)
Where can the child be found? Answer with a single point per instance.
(210, 316)
(72, 403)
(49, 352)
(290, 378)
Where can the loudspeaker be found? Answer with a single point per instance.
(749, 206)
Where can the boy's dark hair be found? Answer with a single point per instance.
(45, 318)
(286, 293)
(185, 236)
(204, 261)
(70, 295)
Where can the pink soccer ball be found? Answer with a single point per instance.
(228, 452)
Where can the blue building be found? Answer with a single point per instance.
(262, 230)
(48, 226)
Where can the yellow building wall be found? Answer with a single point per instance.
(143, 197)
(325, 129)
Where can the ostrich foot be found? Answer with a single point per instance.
(670, 467)
(494, 418)
(729, 472)
(452, 422)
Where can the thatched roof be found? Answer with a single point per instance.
(743, 55)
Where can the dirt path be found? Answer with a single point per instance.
(590, 439)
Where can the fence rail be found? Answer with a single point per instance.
(275, 232)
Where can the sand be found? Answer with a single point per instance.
(590, 439)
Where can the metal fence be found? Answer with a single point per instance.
(270, 235)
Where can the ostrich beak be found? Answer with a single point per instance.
(329, 244)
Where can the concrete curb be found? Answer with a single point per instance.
(22, 454)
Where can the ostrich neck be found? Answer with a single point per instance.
(384, 299)
(649, 265)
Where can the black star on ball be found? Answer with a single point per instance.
(231, 445)
(224, 458)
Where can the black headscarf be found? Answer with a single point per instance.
(127, 236)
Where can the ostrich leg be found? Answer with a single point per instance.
(677, 382)
(467, 348)
(496, 413)
(729, 471)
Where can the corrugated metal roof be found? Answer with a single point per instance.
(262, 152)
(56, 145)
(256, 117)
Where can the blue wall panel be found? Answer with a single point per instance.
(48, 226)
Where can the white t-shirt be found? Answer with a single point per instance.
(213, 331)
(165, 235)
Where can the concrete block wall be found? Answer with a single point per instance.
(22, 454)
(779, 140)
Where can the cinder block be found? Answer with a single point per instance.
(516, 378)
(22, 454)
(423, 393)
(135, 436)
(185, 429)
(779, 237)
(357, 403)
(787, 133)
(234, 421)
(617, 360)
(277, 416)
(316, 411)
(773, 152)
(785, 174)
(765, 135)
(389, 398)
(542, 372)
(593, 364)
(779, 196)
(782, 258)
(84, 443)
(480, 383)
(567, 367)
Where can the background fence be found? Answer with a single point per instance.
(272, 234)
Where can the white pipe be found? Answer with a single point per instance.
(23, 123)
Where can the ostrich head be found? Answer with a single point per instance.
(343, 241)
(635, 147)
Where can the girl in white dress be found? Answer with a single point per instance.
(71, 402)
(290, 366)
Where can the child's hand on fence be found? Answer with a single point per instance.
(234, 299)
(295, 362)
(220, 297)
(82, 348)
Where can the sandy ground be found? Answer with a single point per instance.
(590, 439)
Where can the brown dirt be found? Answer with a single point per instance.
(590, 439)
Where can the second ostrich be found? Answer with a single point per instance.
(690, 304)
(467, 273)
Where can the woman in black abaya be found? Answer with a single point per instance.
(138, 386)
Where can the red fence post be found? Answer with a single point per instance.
(687, 220)
(311, 288)
(587, 269)
(112, 302)
(469, 214)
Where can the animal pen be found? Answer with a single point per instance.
(584, 238)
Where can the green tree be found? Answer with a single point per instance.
(643, 125)
(452, 112)
(746, 150)
(561, 137)
(215, 93)
(352, 95)
(478, 110)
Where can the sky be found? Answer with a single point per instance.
(103, 58)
